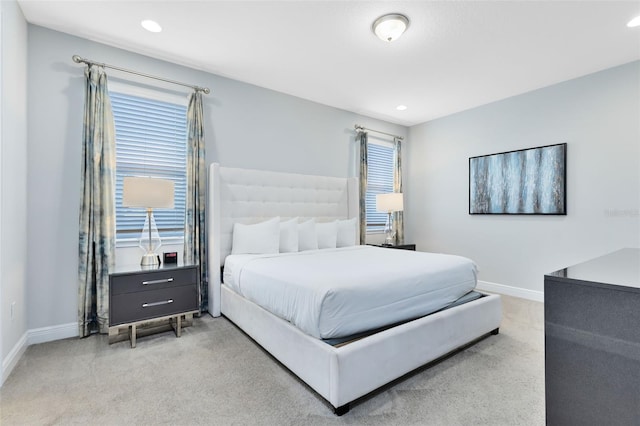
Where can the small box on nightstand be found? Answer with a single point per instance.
(170, 257)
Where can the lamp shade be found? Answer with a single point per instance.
(392, 202)
(147, 192)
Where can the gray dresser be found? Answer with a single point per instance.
(592, 342)
(137, 296)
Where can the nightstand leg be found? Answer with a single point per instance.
(132, 335)
(179, 324)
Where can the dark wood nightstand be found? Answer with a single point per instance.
(400, 246)
(139, 296)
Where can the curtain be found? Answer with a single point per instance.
(195, 247)
(96, 244)
(398, 219)
(363, 138)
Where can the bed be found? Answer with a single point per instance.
(343, 373)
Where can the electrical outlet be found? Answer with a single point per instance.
(13, 308)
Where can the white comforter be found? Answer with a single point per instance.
(334, 293)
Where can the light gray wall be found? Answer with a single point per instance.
(13, 180)
(246, 126)
(598, 116)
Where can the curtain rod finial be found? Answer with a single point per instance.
(76, 58)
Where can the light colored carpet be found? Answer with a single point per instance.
(215, 374)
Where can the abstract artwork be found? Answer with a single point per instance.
(527, 181)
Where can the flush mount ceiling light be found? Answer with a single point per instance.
(401, 107)
(635, 22)
(151, 26)
(389, 27)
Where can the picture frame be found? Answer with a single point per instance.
(531, 181)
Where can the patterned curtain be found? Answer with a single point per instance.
(97, 209)
(363, 138)
(195, 247)
(398, 219)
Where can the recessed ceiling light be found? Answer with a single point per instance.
(635, 22)
(151, 26)
(390, 27)
(401, 107)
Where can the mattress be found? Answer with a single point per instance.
(333, 293)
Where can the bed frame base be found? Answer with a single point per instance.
(344, 409)
(340, 411)
(345, 374)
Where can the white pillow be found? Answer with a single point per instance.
(307, 236)
(289, 236)
(347, 233)
(327, 234)
(259, 238)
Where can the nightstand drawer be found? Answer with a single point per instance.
(152, 280)
(143, 305)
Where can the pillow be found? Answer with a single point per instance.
(327, 234)
(347, 232)
(307, 237)
(259, 238)
(289, 236)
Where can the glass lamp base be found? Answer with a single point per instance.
(390, 240)
(150, 259)
(388, 230)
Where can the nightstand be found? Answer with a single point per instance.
(400, 246)
(143, 297)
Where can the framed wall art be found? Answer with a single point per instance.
(526, 181)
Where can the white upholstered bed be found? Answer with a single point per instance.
(341, 374)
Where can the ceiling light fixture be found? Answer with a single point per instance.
(390, 27)
(635, 22)
(151, 26)
(401, 107)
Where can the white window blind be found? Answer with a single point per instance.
(151, 140)
(379, 181)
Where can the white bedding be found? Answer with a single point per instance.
(339, 292)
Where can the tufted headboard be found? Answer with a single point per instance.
(251, 196)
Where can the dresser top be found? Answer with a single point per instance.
(621, 268)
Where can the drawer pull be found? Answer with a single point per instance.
(164, 302)
(166, 280)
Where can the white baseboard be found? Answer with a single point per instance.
(537, 296)
(9, 363)
(54, 332)
(32, 337)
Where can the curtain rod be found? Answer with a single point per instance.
(360, 128)
(78, 59)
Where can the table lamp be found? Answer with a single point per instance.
(389, 203)
(149, 193)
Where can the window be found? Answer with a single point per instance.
(151, 140)
(379, 181)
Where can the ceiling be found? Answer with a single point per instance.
(455, 55)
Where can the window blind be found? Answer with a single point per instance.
(379, 181)
(151, 140)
